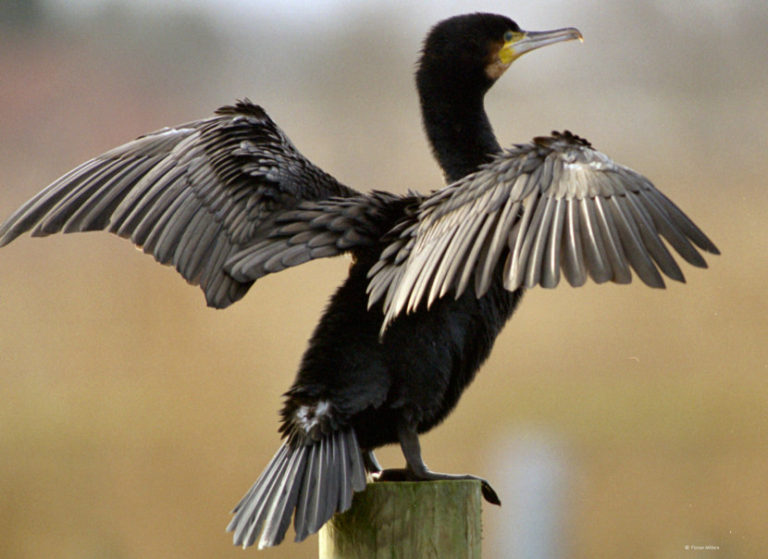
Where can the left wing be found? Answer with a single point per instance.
(193, 196)
(554, 205)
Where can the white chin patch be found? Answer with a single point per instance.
(495, 69)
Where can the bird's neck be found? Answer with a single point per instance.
(458, 131)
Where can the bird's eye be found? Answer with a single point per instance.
(508, 36)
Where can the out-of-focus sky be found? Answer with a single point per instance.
(307, 14)
(133, 418)
(312, 12)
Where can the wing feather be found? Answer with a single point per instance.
(670, 231)
(487, 265)
(652, 241)
(471, 236)
(550, 273)
(537, 237)
(480, 247)
(614, 251)
(197, 195)
(635, 250)
(552, 207)
(574, 266)
(524, 237)
(594, 246)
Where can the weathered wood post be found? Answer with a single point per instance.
(393, 520)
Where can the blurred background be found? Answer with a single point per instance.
(614, 420)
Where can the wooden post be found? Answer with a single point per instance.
(393, 520)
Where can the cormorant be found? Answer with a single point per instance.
(229, 199)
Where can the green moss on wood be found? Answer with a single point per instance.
(393, 520)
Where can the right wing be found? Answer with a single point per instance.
(553, 205)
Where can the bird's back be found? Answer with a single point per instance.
(416, 371)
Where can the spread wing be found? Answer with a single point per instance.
(317, 229)
(194, 196)
(554, 205)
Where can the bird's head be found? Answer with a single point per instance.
(478, 48)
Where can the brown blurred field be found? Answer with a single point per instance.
(132, 418)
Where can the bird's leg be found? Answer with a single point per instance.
(372, 465)
(416, 469)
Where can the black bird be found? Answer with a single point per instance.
(228, 199)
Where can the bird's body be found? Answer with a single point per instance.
(228, 199)
(415, 372)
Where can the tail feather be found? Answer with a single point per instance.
(251, 506)
(279, 515)
(271, 499)
(315, 480)
(327, 499)
(308, 489)
(357, 469)
(345, 493)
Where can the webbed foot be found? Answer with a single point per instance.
(406, 474)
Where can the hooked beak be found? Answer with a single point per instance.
(526, 41)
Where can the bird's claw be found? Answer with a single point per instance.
(404, 474)
(393, 474)
(489, 494)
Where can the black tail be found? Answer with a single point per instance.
(316, 480)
